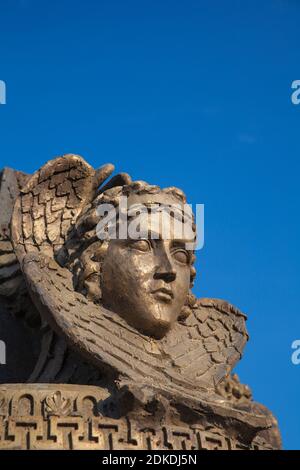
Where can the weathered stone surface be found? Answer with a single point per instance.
(65, 417)
(118, 318)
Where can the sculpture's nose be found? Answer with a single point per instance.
(165, 270)
(167, 276)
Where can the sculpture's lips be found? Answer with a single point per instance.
(163, 293)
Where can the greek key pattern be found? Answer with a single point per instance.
(47, 417)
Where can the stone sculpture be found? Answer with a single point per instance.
(122, 355)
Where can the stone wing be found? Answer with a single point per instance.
(211, 342)
(50, 203)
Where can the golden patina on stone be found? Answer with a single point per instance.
(111, 348)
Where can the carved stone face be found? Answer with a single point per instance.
(146, 282)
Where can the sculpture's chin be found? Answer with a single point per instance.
(157, 330)
(153, 324)
(155, 321)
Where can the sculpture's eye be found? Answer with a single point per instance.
(181, 255)
(141, 245)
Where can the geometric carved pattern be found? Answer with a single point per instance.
(42, 417)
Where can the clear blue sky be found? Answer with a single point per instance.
(188, 93)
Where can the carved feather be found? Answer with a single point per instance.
(50, 203)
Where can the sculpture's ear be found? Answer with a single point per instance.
(87, 273)
(213, 342)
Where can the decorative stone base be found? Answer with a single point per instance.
(52, 416)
